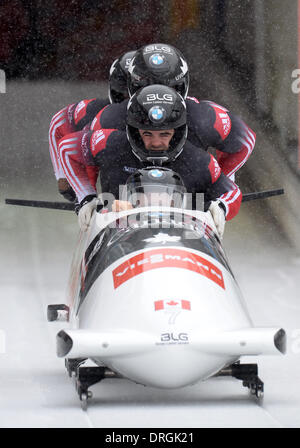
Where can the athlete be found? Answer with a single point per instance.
(76, 116)
(210, 125)
(156, 134)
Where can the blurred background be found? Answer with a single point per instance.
(241, 54)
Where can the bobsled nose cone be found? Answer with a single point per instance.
(248, 341)
(64, 344)
(280, 340)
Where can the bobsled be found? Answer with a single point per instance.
(152, 298)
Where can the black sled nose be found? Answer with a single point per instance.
(280, 340)
(64, 344)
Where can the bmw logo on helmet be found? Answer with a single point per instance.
(157, 114)
(156, 173)
(156, 59)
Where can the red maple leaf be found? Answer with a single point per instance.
(172, 303)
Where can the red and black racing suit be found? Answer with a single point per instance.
(110, 150)
(210, 125)
(72, 118)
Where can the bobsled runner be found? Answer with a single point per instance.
(152, 298)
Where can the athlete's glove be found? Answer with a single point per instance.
(218, 212)
(87, 206)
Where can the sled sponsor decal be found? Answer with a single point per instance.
(173, 339)
(166, 258)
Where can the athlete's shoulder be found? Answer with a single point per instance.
(104, 139)
(111, 116)
(192, 98)
(194, 156)
(222, 122)
(201, 163)
(80, 110)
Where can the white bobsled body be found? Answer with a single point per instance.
(153, 298)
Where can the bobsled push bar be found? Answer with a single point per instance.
(262, 194)
(71, 205)
(42, 204)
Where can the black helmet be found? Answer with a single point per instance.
(158, 64)
(155, 186)
(156, 108)
(118, 90)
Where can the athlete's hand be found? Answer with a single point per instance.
(120, 206)
(87, 207)
(217, 210)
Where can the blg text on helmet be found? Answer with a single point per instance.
(163, 48)
(156, 97)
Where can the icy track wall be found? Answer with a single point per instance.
(26, 170)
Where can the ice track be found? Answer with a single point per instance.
(35, 391)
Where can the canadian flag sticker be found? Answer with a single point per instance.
(172, 304)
